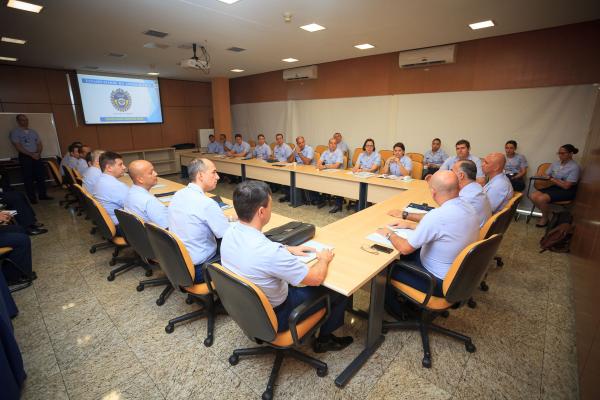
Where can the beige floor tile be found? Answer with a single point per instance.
(53, 387)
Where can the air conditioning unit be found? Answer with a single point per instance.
(295, 74)
(428, 56)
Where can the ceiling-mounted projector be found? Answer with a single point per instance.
(196, 62)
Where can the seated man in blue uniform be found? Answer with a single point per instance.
(109, 190)
(139, 200)
(499, 190)
(14, 236)
(435, 242)
(275, 269)
(214, 146)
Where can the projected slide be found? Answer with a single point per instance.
(111, 99)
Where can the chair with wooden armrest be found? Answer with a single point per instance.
(250, 309)
(463, 277)
(134, 229)
(416, 157)
(540, 183)
(69, 180)
(177, 265)
(321, 148)
(417, 170)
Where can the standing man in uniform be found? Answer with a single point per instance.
(29, 145)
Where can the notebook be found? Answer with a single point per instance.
(313, 255)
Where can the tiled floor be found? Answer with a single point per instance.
(83, 337)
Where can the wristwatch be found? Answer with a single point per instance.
(404, 214)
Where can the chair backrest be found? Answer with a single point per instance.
(77, 175)
(245, 303)
(345, 165)
(68, 177)
(496, 224)
(134, 230)
(252, 143)
(357, 152)
(541, 170)
(385, 154)
(172, 256)
(292, 145)
(469, 268)
(417, 170)
(317, 157)
(80, 194)
(273, 146)
(98, 214)
(321, 149)
(512, 206)
(416, 157)
(54, 170)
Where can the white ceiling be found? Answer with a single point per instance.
(72, 34)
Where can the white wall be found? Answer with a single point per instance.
(539, 119)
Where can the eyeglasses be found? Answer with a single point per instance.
(369, 145)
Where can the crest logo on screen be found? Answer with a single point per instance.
(120, 99)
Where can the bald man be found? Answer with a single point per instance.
(139, 200)
(499, 190)
(433, 243)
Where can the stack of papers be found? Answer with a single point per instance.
(313, 255)
(362, 174)
(413, 210)
(377, 238)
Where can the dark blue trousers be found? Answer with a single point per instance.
(14, 236)
(33, 170)
(298, 295)
(18, 201)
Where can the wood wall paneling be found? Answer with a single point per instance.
(115, 137)
(172, 92)
(58, 89)
(69, 131)
(197, 118)
(221, 106)
(174, 129)
(23, 85)
(197, 94)
(27, 108)
(146, 136)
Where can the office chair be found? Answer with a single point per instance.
(108, 231)
(385, 154)
(416, 157)
(58, 179)
(321, 148)
(69, 180)
(542, 184)
(176, 263)
(134, 229)
(251, 310)
(82, 195)
(462, 278)
(417, 170)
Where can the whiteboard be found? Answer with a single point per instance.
(42, 123)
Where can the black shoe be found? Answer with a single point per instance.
(284, 199)
(36, 231)
(321, 204)
(331, 343)
(37, 225)
(46, 198)
(335, 209)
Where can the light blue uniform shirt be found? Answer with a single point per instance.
(499, 191)
(328, 157)
(443, 233)
(366, 161)
(81, 166)
(447, 165)
(69, 161)
(568, 172)
(90, 177)
(436, 158)
(111, 193)
(406, 163)
(307, 152)
(263, 152)
(514, 164)
(28, 138)
(215, 147)
(197, 220)
(473, 194)
(269, 265)
(227, 144)
(283, 152)
(145, 205)
(244, 147)
(344, 148)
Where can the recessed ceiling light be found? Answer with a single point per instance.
(229, 1)
(236, 70)
(153, 73)
(312, 27)
(22, 5)
(483, 24)
(8, 59)
(13, 40)
(364, 46)
(290, 60)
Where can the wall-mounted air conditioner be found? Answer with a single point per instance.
(428, 56)
(294, 74)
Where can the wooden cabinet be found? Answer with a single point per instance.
(163, 159)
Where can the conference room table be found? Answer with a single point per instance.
(352, 267)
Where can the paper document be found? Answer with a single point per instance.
(330, 170)
(311, 256)
(159, 186)
(165, 199)
(389, 176)
(361, 174)
(413, 210)
(377, 238)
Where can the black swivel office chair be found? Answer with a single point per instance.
(463, 277)
(134, 229)
(175, 261)
(69, 180)
(251, 310)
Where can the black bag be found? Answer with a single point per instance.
(292, 233)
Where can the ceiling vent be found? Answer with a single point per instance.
(428, 56)
(158, 34)
(296, 74)
(236, 49)
(152, 45)
(117, 55)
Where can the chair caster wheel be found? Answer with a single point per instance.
(148, 273)
(267, 395)
(208, 341)
(112, 262)
(234, 359)
(471, 303)
(470, 347)
(160, 301)
(321, 372)
(92, 250)
(426, 362)
(445, 314)
(484, 287)
(110, 278)
(169, 328)
(140, 288)
(189, 300)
